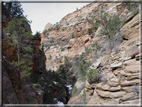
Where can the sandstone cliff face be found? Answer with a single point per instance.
(28, 94)
(119, 78)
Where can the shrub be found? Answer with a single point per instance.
(72, 35)
(45, 31)
(135, 12)
(90, 31)
(123, 23)
(74, 90)
(83, 66)
(62, 49)
(93, 75)
(83, 96)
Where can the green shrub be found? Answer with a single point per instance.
(62, 49)
(93, 75)
(83, 96)
(74, 90)
(45, 31)
(123, 23)
(90, 31)
(72, 35)
(135, 12)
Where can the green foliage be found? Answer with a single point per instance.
(135, 12)
(45, 31)
(50, 57)
(83, 96)
(93, 75)
(90, 31)
(72, 35)
(74, 90)
(62, 49)
(37, 35)
(19, 29)
(83, 66)
(110, 23)
(66, 62)
(123, 23)
(12, 9)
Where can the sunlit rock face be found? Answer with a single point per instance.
(119, 75)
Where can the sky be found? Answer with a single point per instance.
(42, 13)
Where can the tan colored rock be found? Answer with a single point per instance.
(127, 96)
(118, 65)
(47, 26)
(95, 99)
(132, 68)
(127, 73)
(131, 29)
(131, 62)
(107, 94)
(130, 88)
(132, 77)
(79, 84)
(127, 83)
(74, 100)
(112, 83)
(106, 87)
(136, 102)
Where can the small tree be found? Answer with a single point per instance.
(18, 30)
(111, 24)
(12, 9)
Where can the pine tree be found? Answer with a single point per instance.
(17, 30)
(111, 25)
(12, 9)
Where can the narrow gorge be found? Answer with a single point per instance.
(91, 57)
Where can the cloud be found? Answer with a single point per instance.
(43, 13)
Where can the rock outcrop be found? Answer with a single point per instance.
(119, 70)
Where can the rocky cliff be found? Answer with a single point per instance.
(119, 71)
(10, 91)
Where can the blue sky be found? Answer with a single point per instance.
(43, 13)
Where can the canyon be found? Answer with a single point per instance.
(75, 64)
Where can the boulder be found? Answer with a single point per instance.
(114, 66)
(106, 87)
(107, 94)
(127, 83)
(131, 62)
(95, 65)
(132, 68)
(128, 96)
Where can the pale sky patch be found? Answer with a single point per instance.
(42, 13)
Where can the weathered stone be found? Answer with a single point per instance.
(108, 94)
(106, 87)
(138, 57)
(137, 102)
(112, 83)
(74, 100)
(127, 96)
(130, 88)
(79, 84)
(134, 54)
(95, 99)
(127, 73)
(95, 65)
(118, 65)
(132, 77)
(131, 62)
(127, 83)
(132, 68)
